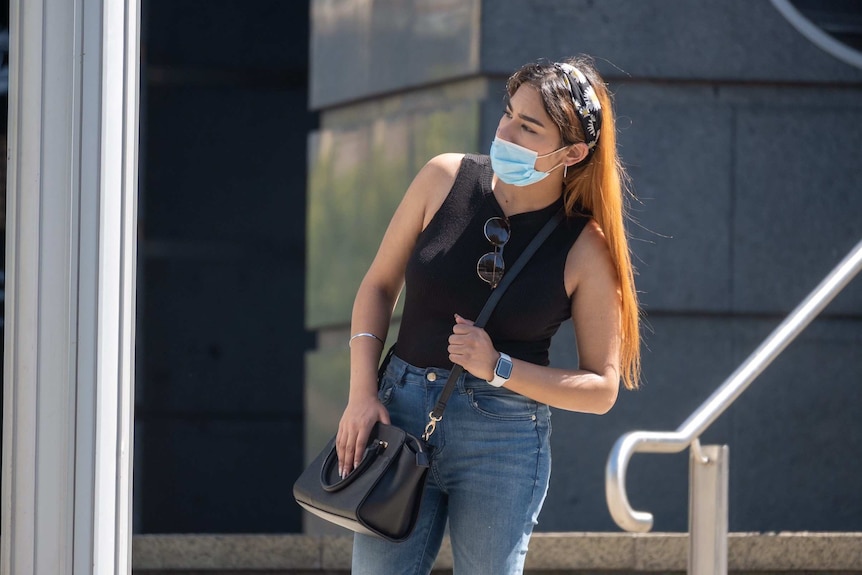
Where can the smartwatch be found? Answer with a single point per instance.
(502, 371)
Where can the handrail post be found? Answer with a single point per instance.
(708, 509)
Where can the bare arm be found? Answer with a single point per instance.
(375, 299)
(592, 279)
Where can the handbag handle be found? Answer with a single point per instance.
(437, 413)
(374, 449)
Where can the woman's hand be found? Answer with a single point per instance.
(472, 348)
(359, 417)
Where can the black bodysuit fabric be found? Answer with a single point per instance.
(441, 278)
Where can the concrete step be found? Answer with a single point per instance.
(550, 554)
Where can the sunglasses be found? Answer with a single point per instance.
(491, 266)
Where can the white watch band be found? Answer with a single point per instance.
(502, 371)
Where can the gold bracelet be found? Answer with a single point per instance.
(363, 334)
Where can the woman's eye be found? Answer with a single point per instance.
(508, 113)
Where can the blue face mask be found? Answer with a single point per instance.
(516, 165)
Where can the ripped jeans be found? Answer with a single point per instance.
(489, 474)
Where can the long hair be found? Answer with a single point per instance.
(597, 186)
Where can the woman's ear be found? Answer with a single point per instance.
(576, 154)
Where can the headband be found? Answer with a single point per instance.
(586, 102)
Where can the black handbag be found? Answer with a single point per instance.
(382, 495)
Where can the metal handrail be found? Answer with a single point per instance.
(691, 429)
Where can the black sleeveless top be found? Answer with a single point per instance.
(441, 278)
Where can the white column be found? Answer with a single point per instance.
(70, 287)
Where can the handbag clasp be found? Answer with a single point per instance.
(432, 425)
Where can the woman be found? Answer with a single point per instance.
(461, 221)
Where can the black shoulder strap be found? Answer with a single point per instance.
(437, 414)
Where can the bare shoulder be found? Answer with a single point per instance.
(434, 181)
(439, 173)
(592, 240)
(589, 257)
(445, 164)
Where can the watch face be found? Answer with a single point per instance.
(504, 368)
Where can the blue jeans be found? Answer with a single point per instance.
(489, 474)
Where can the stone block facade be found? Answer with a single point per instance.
(743, 141)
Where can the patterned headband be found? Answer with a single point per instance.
(586, 103)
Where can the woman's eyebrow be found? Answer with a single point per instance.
(530, 119)
(524, 117)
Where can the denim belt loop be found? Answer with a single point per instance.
(396, 368)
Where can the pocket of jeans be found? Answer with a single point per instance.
(502, 405)
(387, 389)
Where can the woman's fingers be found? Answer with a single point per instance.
(344, 445)
(462, 321)
(350, 454)
(358, 452)
(353, 433)
(470, 346)
(465, 337)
